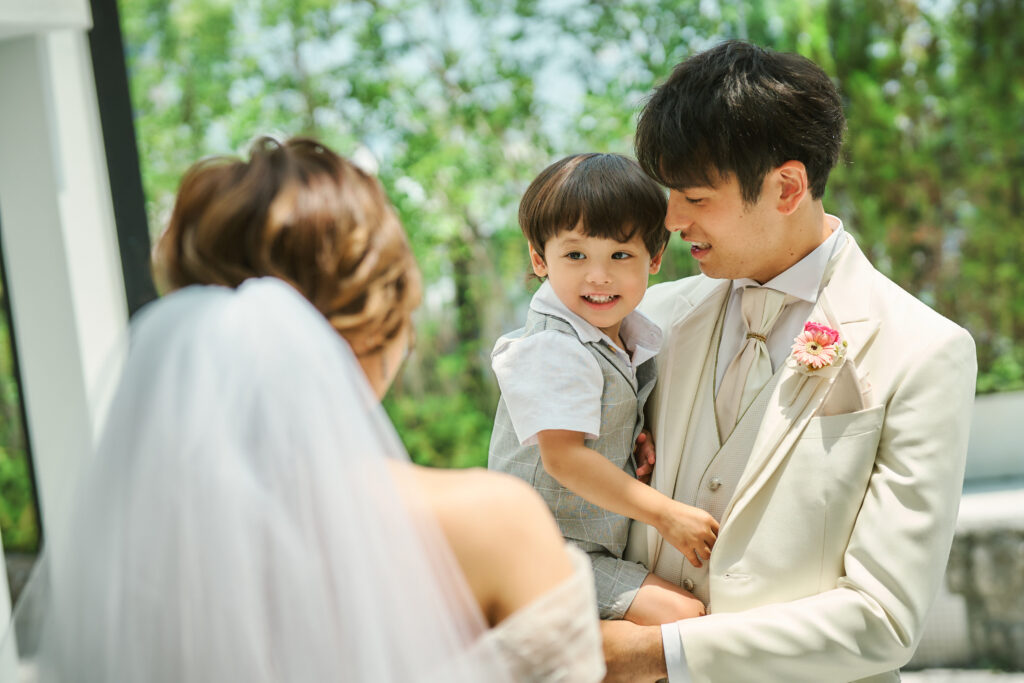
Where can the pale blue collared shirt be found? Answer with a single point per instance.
(549, 380)
(802, 282)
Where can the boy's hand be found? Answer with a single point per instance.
(643, 456)
(691, 530)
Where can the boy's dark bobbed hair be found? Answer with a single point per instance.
(741, 109)
(607, 194)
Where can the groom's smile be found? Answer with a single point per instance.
(697, 249)
(732, 238)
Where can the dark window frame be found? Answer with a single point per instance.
(119, 142)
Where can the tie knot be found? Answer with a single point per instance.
(761, 309)
(751, 368)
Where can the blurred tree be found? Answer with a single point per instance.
(983, 89)
(934, 165)
(18, 524)
(458, 104)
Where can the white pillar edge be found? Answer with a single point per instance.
(62, 263)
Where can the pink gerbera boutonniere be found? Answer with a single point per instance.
(817, 347)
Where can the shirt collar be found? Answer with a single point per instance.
(802, 280)
(638, 332)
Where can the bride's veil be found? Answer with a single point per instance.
(243, 519)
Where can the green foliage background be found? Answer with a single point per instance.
(462, 102)
(18, 524)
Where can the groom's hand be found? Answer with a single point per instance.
(632, 653)
(643, 456)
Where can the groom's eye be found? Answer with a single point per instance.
(696, 201)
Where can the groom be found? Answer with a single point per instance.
(833, 456)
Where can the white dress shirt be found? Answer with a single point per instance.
(803, 282)
(549, 380)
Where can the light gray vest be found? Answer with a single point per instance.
(622, 417)
(710, 470)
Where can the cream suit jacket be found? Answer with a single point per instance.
(835, 542)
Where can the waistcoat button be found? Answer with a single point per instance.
(688, 584)
(715, 483)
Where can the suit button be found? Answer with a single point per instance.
(715, 483)
(688, 584)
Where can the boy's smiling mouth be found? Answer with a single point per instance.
(600, 299)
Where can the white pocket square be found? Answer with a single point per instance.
(849, 393)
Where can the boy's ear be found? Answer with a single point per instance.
(540, 269)
(656, 262)
(792, 186)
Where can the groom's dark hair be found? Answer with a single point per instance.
(741, 109)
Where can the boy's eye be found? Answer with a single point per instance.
(575, 256)
(619, 255)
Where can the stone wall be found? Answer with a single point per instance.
(986, 567)
(978, 617)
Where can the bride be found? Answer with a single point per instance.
(250, 514)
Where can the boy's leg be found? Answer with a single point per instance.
(660, 602)
(616, 582)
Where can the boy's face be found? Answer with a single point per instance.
(599, 279)
(729, 238)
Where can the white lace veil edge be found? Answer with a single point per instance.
(241, 518)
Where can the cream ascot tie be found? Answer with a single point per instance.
(751, 368)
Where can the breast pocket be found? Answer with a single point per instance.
(831, 429)
(841, 450)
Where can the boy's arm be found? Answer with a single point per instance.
(591, 476)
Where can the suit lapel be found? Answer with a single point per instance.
(798, 397)
(688, 342)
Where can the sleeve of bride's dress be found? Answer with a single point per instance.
(556, 638)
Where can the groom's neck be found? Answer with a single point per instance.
(805, 229)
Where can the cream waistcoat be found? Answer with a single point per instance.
(710, 472)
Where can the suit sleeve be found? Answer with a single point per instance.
(895, 559)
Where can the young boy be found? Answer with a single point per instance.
(574, 380)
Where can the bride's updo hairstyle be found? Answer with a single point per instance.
(302, 213)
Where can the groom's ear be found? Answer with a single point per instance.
(791, 186)
(540, 269)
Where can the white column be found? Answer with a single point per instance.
(23, 17)
(61, 259)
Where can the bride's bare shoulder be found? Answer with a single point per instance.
(499, 528)
(488, 502)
